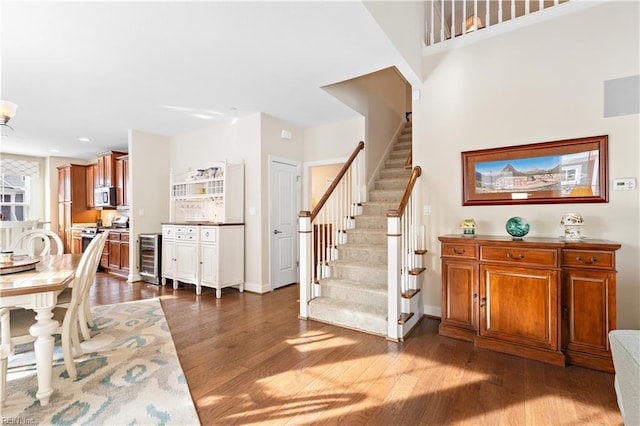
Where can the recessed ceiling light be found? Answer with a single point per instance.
(84, 139)
(54, 150)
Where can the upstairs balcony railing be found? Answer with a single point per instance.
(447, 19)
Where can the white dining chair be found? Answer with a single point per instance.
(37, 243)
(14, 324)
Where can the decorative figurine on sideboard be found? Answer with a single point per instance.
(468, 227)
(517, 227)
(572, 223)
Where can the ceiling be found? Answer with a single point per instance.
(96, 69)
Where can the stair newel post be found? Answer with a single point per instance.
(306, 262)
(394, 265)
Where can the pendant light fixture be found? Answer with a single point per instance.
(7, 112)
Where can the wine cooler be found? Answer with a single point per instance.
(150, 257)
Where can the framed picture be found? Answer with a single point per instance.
(568, 171)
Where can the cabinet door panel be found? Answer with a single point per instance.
(168, 264)
(114, 254)
(186, 257)
(209, 264)
(588, 298)
(519, 305)
(124, 256)
(459, 294)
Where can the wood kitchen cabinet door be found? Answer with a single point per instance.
(114, 250)
(519, 305)
(124, 253)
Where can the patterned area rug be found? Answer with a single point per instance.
(130, 374)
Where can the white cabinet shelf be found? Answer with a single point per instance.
(213, 193)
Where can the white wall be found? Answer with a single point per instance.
(272, 144)
(334, 140)
(233, 142)
(403, 22)
(536, 84)
(380, 97)
(149, 164)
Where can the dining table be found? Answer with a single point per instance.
(35, 283)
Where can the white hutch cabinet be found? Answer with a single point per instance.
(203, 244)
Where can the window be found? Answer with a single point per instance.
(15, 187)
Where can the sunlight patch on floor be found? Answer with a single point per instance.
(313, 340)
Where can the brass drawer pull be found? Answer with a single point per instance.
(520, 256)
(587, 262)
(455, 251)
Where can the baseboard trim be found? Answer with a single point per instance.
(257, 288)
(432, 311)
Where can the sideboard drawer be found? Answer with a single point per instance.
(520, 256)
(588, 258)
(467, 251)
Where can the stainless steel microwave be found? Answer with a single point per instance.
(105, 197)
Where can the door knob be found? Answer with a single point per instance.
(275, 231)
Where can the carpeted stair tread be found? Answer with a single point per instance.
(365, 286)
(349, 314)
(358, 264)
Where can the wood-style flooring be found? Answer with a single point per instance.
(248, 359)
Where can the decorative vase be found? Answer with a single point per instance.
(468, 227)
(517, 227)
(572, 223)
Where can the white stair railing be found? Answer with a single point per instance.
(325, 227)
(446, 19)
(404, 240)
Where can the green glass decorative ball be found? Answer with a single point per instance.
(517, 227)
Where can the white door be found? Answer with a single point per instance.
(283, 193)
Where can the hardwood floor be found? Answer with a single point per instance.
(248, 359)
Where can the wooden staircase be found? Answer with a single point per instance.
(354, 295)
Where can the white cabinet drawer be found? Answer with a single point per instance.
(185, 237)
(168, 232)
(208, 235)
(187, 230)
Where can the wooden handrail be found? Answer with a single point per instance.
(407, 164)
(336, 181)
(415, 174)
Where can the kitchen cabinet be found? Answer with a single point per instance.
(76, 241)
(106, 168)
(540, 298)
(203, 255)
(72, 201)
(122, 181)
(117, 253)
(90, 182)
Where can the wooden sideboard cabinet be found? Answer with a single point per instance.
(541, 298)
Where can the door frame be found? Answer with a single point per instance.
(298, 165)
